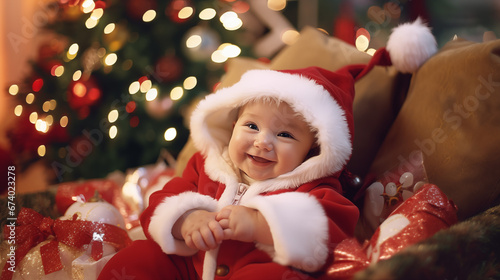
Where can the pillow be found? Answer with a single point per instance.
(452, 116)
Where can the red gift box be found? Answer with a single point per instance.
(416, 219)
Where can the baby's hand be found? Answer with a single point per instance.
(239, 222)
(201, 231)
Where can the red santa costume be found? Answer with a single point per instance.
(305, 209)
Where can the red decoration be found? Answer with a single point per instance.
(83, 93)
(37, 85)
(100, 5)
(172, 10)
(69, 193)
(108, 190)
(345, 25)
(168, 68)
(32, 228)
(130, 107)
(142, 79)
(416, 219)
(364, 32)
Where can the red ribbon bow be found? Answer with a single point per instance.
(33, 228)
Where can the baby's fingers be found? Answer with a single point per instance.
(198, 241)
(224, 223)
(217, 231)
(223, 214)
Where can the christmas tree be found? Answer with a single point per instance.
(112, 88)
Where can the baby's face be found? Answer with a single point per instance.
(269, 139)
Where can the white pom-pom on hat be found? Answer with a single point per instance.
(410, 45)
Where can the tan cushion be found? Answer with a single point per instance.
(452, 114)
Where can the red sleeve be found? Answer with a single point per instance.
(342, 214)
(188, 182)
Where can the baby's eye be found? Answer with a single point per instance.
(285, 134)
(252, 126)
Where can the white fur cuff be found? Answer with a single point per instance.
(168, 212)
(299, 228)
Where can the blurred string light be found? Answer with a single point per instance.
(190, 82)
(53, 104)
(63, 122)
(170, 134)
(149, 16)
(18, 110)
(46, 106)
(110, 59)
(113, 116)
(231, 21)
(113, 131)
(109, 28)
(176, 93)
(72, 51)
(77, 75)
(151, 94)
(224, 52)
(33, 117)
(41, 150)
(14, 89)
(276, 5)
(30, 97)
(91, 23)
(185, 13)
(362, 42)
(57, 70)
(193, 41)
(41, 125)
(207, 14)
(87, 6)
(97, 14)
(146, 85)
(290, 36)
(134, 87)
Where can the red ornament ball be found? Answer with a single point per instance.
(83, 93)
(168, 68)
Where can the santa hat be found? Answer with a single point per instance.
(324, 98)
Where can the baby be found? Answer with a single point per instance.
(261, 199)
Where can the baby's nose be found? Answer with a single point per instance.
(264, 141)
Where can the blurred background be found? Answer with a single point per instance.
(91, 87)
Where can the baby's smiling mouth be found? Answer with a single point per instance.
(259, 159)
